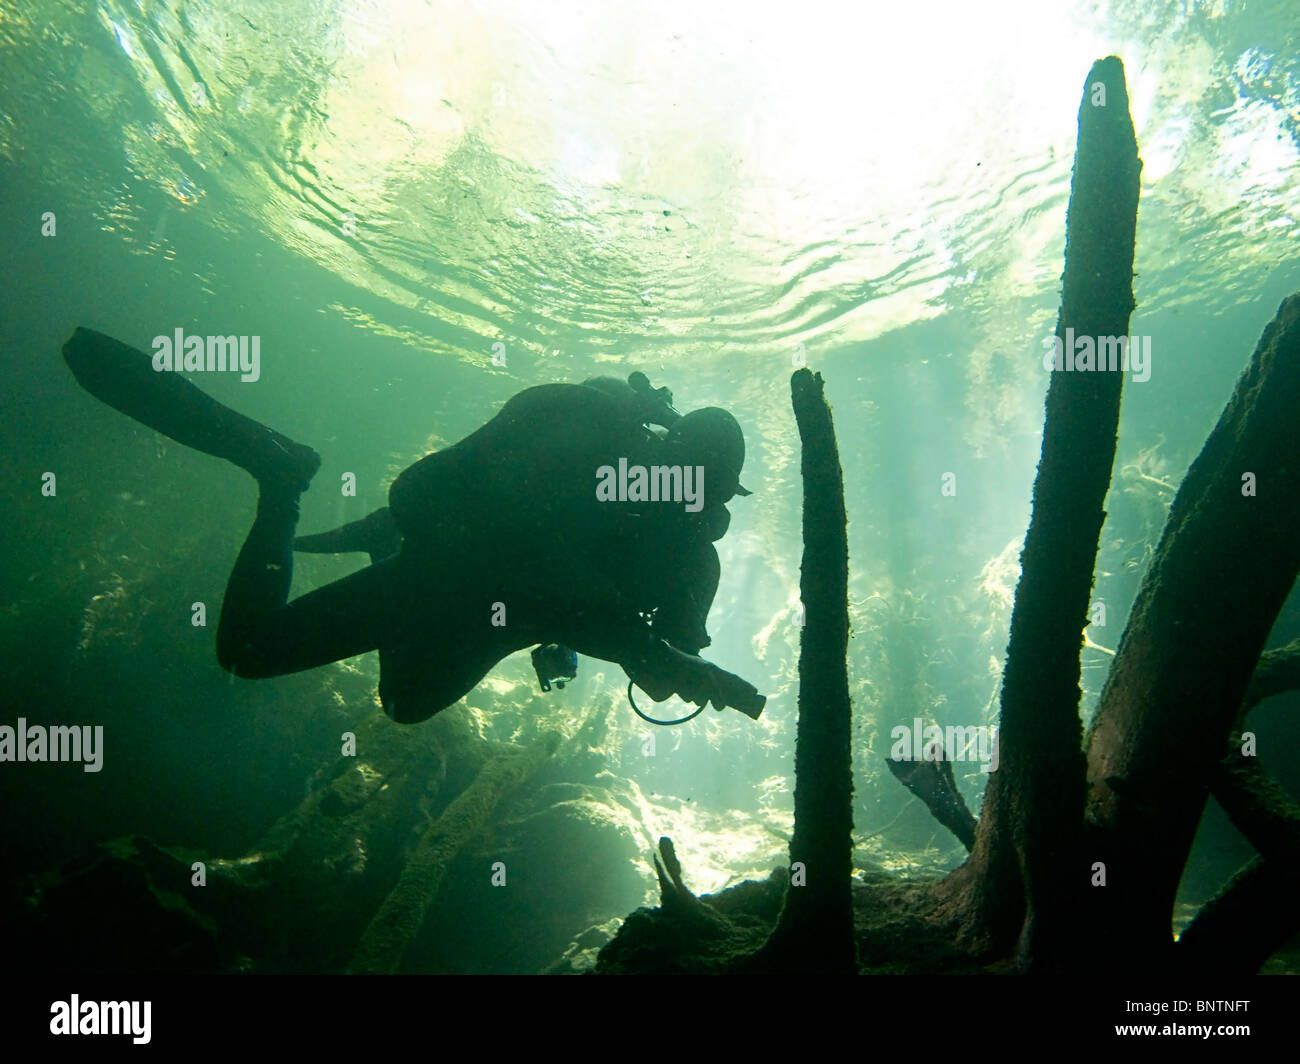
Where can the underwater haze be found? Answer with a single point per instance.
(421, 209)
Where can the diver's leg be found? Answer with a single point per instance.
(414, 616)
(261, 634)
(377, 535)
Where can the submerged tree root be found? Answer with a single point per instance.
(393, 927)
(891, 934)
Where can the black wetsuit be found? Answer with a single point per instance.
(503, 526)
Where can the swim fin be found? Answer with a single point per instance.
(125, 379)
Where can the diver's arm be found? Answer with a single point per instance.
(671, 671)
(652, 663)
(687, 589)
(609, 631)
(594, 618)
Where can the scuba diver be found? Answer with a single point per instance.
(500, 542)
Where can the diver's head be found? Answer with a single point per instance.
(710, 437)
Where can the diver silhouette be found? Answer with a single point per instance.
(500, 542)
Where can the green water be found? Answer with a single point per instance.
(391, 195)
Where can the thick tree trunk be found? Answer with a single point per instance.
(1243, 925)
(1276, 671)
(1225, 564)
(1026, 871)
(1254, 914)
(815, 931)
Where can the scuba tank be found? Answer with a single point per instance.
(655, 403)
(645, 404)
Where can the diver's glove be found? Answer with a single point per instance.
(667, 671)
